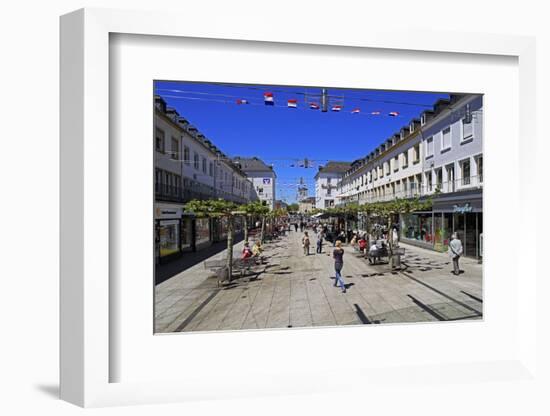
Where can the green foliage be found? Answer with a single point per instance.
(396, 206)
(293, 207)
(212, 208)
(254, 208)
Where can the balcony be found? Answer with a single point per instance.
(414, 190)
(168, 193)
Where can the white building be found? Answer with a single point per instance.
(189, 166)
(326, 181)
(263, 178)
(438, 155)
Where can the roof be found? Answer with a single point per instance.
(252, 164)
(334, 167)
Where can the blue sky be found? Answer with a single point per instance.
(283, 136)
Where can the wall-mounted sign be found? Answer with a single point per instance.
(168, 212)
(461, 209)
(267, 181)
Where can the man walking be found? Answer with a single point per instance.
(455, 251)
(319, 242)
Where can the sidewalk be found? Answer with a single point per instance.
(294, 290)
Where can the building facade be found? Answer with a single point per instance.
(439, 155)
(262, 176)
(326, 182)
(189, 166)
(306, 205)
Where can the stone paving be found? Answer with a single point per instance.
(294, 290)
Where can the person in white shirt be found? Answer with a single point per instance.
(455, 251)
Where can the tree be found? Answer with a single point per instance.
(398, 206)
(218, 208)
(252, 209)
(293, 208)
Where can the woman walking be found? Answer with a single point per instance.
(338, 256)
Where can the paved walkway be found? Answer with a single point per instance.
(294, 290)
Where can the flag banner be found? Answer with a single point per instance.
(292, 103)
(336, 108)
(268, 98)
(375, 113)
(355, 111)
(242, 101)
(314, 106)
(393, 114)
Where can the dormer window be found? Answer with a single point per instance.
(411, 128)
(402, 134)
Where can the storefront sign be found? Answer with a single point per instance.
(168, 212)
(266, 181)
(461, 209)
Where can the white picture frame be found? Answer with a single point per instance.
(87, 356)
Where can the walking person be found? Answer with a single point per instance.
(319, 242)
(338, 256)
(455, 251)
(296, 227)
(305, 243)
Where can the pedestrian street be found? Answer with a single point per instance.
(292, 290)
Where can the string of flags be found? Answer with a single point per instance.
(269, 100)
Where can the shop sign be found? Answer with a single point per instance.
(266, 181)
(168, 212)
(461, 209)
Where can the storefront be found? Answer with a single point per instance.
(459, 212)
(173, 232)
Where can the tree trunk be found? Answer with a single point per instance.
(262, 234)
(346, 227)
(230, 232)
(390, 241)
(246, 228)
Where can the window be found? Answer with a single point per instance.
(446, 139)
(429, 147)
(328, 181)
(416, 153)
(465, 170)
(211, 169)
(429, 180)
(467, 129)
(204, 165)
(175, 149)
(395, 164)
(186, 155)
(480, 169)
(196, 160)
(405, 159)
(328, 192)
(159, 140)
(439, 178)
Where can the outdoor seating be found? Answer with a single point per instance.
(219, 267)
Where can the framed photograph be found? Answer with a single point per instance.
(282, 213)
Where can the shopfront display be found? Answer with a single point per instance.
(169, 233)
(418, 227)
(202, 231)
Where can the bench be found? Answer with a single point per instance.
(219, 267)
(383, 251)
